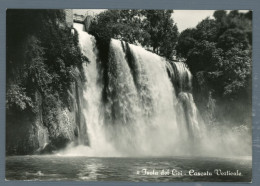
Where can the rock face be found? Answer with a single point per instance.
(32, 133)
(25, 133)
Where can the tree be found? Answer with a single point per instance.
(186, 42)
(164, 33)
(40, 54)
(118, 24)
(207, 29)
(204, 57)
(149, 28)
(219, 54)
(236, 69)
(208, 48)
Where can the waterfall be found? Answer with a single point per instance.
(92, 94)
(149, 109)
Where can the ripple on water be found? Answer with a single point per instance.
(118, 169)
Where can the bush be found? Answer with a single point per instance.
(41, 53)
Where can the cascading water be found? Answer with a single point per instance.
(149, 109)
(141, 111)
(93, 105)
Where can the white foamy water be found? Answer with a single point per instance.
(93, 108)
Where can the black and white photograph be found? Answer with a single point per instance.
(133, 95)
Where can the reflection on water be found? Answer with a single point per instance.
(90, 171)
(124, 169)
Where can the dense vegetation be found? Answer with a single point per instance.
(41, 52)
(152, 29)
(219, 54)
(42, 55)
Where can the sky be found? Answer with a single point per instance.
(190, 18)
(183, 18)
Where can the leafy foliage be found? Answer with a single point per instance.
(186, 42)
(41, 52)
(150, 28)
(162, 30)
(16, 97)
(220, 49)
(35, 70)
(118, 24)
(236, 69)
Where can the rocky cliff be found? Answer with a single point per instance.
(29, 133)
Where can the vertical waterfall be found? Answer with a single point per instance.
(149, 108)
(93, 111)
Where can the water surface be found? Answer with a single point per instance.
(53, 168)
